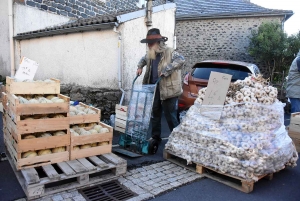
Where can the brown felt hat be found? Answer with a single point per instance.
(153, 36)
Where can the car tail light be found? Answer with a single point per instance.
(186, 79)
(180, 105)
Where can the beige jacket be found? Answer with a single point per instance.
(170, 85)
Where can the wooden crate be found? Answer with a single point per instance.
(23, 145)
(88, 118)
(236, 182)
(3, 103)
(15, 108)
(19, 127)
(32, 87)
(88, 139)
(2, 89)
(121, 118)
(296, 143)
(295, 123)
(16, 148)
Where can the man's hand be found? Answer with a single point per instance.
(139, 71)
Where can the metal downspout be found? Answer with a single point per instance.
(149, 11)
(11, 39)
(119, 64)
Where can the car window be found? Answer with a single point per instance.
(237, 72)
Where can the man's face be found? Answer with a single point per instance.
(153, 45)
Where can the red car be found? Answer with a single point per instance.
(199, 76)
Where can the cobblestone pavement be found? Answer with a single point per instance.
(147, 182)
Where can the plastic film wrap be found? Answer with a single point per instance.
(248, 140)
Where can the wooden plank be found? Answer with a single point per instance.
(43, 160)
(78, 167)
(122, 130)
(93, 151)
(32, 87)
(31, 176)
(297, 144)
(120, 124)
(87, 164)
(121, 121)
(121, 115)
(294, 128)
(24, 145)
(121, 108)
(87, 118)
(93, 138)
(98, 162)
(42, 125)
(50, 172)
(295, 118)
(114, 159)
(66, 168)
(293, 134)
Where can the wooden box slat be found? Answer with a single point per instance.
(23, 163)
(88, 118)
(32, 87)
(89, 139)
(15, 108)
(20, 127)
(121, 118)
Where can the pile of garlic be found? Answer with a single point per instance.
(34, 99)
(251, 89)
(249, 140)
(80, 110)
(80, 130)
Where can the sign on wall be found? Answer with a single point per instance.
(27, 69)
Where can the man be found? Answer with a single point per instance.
(163, 61)
(293, 84)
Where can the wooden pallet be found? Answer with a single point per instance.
(49, 179)
(121, 118)
(32, 87)
(294, 126)
(227, 179)
(88, 118)
(15, 108)
(88, 139)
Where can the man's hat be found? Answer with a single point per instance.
(153, 36)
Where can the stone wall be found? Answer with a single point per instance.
(225, 39)
(85, 8)
(104, 99)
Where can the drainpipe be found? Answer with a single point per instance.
(119, 64)
(149, 11)
(11, 40)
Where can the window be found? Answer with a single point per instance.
(237, 72)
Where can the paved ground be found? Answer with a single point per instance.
(147, 182)
(152, 179)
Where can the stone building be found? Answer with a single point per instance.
(94, 57)
(220, 29)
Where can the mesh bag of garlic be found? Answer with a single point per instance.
(248, 140)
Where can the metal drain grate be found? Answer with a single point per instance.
(111, 191)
